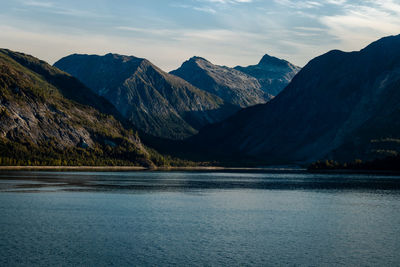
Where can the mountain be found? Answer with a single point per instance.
(272, 73)
(49, 117)
(156, 102)
(339, 106)
(231, 85)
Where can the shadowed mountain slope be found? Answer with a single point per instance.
(341, 105)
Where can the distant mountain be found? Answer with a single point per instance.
(48, 117)
(156, 102)
(231, 85)
(272, 73)
(341, 106)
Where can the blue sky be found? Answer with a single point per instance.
(227, 32)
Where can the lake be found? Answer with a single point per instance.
(275, 218)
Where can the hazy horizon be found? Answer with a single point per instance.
(226, 32)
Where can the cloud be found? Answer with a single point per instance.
(148, 31)
(205, 9)
(336, 2)
(165, 48)
(227, 32)
(227, 1)
(350, 25)
(359, 24)
(309, 29)
(388, 5)
(51, 7)
(210, 6)
(39, 4)
(299, 4)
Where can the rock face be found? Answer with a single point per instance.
(156, 102)
(231, 85)
(272, 73)
(45, 113)
(341, 106)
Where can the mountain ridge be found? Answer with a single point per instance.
(273, 74)
(156, 102)
(231, 85)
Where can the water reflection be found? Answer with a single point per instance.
(189, 181)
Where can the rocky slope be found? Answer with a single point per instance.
(272, 73)
(341, 106)
(49, 117)
(156, 102)
(231, 85)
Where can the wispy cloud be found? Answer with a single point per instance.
(148, 31)
(228, 32)
(51, 7)
(336, 2)
(206, 9)
(39, 4)
(212, 44)
(209, 6)
(227, 1)
(360, 23)
(299, 4)
(310, 29)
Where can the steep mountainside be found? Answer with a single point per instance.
(157, 103)
(49, 117)
(232, 86)
(341, 106)
(272, 73)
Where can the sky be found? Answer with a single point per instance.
(226, 32)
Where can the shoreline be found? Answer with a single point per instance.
(138, 168)
(194, 169)
(350, 171)
(72, 168)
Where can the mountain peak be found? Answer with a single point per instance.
(196, 58)
(122, 58)
(272, 73)
(231, 85)
(270, 60)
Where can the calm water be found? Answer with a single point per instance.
(189, 218)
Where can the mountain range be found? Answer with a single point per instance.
(156, 102)
(175, 105)
(339, 106)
